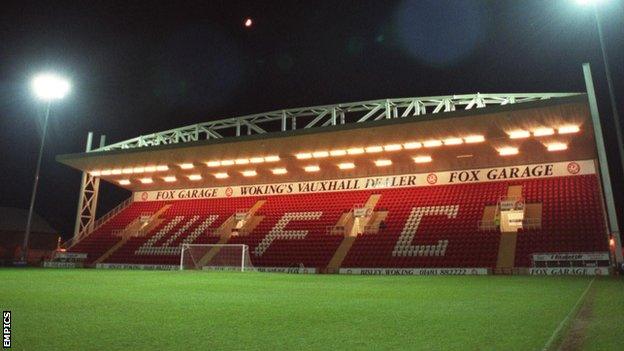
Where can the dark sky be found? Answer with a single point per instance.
(140, 67)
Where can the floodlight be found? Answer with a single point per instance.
(48, 86)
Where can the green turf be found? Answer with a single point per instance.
(122, 310)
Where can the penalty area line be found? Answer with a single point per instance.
(564, 321)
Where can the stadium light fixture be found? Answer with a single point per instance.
(116, 171)
(432, 143)
(279, 171)
(519, 134)
(195, 177)
(124, 182)
(355, 151)
(392, 147)
(383, 163)
(106, 172)
(303, 156)
(422, 159)
(556, 147)
(249, 173)
(412, 145)
(127, 171)
(312, 168)
(186, 165)
(221, 175)
(146, 180)
(256, 160)
(227, 162)
(453, 141)
(507, 151)
(373, 149)
(241, 161)
(96, 173)
(169, 179)
(568, 129)
(149, 169)
(272, 158)
(162, 168)
(49, 86)
(320, 154)
(213, 163)
(471, 139)
(543, 132)
(346, 165)
(138, 170)
(338, 152)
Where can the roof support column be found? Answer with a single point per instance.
(87, 197)
(607, 189)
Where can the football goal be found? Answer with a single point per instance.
(215, 256)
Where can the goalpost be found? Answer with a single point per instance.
(215, 256)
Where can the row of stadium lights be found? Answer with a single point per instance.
(390, 147)
(504, 151)
(540, 132)
(275, 171)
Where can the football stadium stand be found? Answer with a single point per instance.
(432, 226)
(506, 188)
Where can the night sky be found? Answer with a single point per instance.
(141, 67)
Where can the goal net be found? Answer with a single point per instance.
(215, 256)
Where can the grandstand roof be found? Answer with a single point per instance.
(493, 122)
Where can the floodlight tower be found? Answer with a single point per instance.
(46, 87)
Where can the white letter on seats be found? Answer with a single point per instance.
(404, 245)
(278, 231)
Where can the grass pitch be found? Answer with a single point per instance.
(146, 310)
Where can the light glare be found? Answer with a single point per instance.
(392, 147)
(412, 145)
(432, 143)
(556, 147)
(422, 159)
(543, 132)
(453, 141)
(338, 152)
(320, 154)
(312, 168)
(304, 156)
(519, 134)
(506, 151)
(279, 171)
(49, 86)
(568, 129)
(346, 165)
(474, 139)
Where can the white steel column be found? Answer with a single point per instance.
(607, 188)
(87, 197)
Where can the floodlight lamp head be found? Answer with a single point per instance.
(49, 86)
